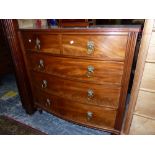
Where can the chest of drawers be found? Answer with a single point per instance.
(80, 74)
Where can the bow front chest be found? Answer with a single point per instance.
(80, 74)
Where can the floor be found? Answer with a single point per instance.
(10, 105)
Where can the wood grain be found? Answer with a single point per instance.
(6, 65)
(105, 72)
(110, 47)
(65, 71)
(146, 36)
(23, 83)
(73, 110)
(104, 95)
(29, 40)
(125, 79)
(49, 43)
(107, 29)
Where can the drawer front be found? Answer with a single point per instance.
(84, 70)
(108, 47)
(49, 43)
(78, 91)
(29, 40)
(86, 114)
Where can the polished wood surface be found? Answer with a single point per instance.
(144, 108)
(105, 72)
(23, 83)
(110, 47)
(73, 22)
(6, 65)
(29, 40)
(146, 36)
(66, 73)
(78, 91)
(49, 43)
(140, 117)
(125, 82)
(75, 111)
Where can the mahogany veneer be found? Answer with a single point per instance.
(80, 75)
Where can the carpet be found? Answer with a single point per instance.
(9, 126)
(45, 122)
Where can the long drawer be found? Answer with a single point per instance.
(87, 93)
(108, 47)
(100, 117)
(100, 72)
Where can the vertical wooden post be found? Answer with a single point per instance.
(10, 28)
(138, 73)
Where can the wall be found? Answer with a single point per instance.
(140, 117)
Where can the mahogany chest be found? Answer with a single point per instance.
(80, 74)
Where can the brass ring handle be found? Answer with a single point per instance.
(90, 47)
(90, 71)
(37, 44)
(90, 93)
(41, 64)
(48, 102)
(44, 84)
(89, 115)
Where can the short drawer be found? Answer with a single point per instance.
(87, 93)
(41, 42)
(95, 116)
(108, 47)
(100, 72)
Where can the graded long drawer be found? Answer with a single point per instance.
(100, 72)
(87, 93)
(108, 47)
(95, 116)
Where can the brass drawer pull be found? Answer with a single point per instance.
(90, 93)
(90, 47)
(44, 84)
(90, 71)
(41, 64)
(48, 102)
(89, 115)
(37, 44)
